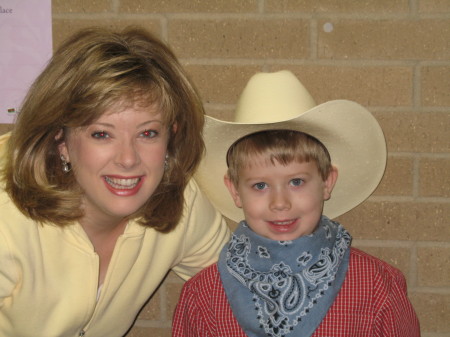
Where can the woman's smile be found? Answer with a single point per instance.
(123, 186)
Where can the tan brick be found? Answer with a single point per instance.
(398, 221)
(240, 38)
(138, 331)
(4, 128)
(220, 84)
(434, 177)
(434, 6)
(63, 28)
(222, 113)
(398, 177)
(81, 6)
(342, 6)
(173, 292)
(387, 39)
(231, 224)
(397, 257)
(433, 311)
(416, 132)
(435, 86)
(191, 6)
(433, 266)
(152, 310)
(369, 86)
(173, 278)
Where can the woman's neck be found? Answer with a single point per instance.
(103, 236)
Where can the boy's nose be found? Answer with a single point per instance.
(280, 201)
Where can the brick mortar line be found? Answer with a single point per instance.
(413, 266)
(348, 63)
(430, 290)
(408, 199)
(373, 109)
(313, 39)
(420, 155)
(369, 243)
(212, 16)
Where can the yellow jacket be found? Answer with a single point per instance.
(49, 274)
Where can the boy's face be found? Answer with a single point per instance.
(281, 202)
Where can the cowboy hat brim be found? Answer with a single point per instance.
(351, 134)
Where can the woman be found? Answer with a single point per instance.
(97, 201)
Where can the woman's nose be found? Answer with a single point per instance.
(127, 155)
(280, 201)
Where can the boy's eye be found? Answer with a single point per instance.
(296, 182)
(260, 186)
(100, 134)
(149, 133)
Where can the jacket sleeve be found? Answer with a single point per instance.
(8, 271)
(206, 232)
(396, 317)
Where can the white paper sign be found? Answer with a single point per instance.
(25, 48)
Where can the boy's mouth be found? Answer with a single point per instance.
(283, 223)
(283, 226)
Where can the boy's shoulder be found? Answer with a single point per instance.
(365, 266)
(208, 278)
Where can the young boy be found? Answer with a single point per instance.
(288, 269)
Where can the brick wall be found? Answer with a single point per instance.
(392, 56)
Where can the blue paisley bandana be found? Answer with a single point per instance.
(284, 288)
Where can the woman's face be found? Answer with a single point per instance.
(118, 161)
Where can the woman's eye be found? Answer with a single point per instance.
(100, 134)
(296, 182)
(260, 186)
(149, 133)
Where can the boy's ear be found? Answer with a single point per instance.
(233, 191)
(330, 182)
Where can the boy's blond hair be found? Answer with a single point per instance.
(281, 146)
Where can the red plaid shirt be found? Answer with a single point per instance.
(371, 303)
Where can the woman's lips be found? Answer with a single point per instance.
(122, 186)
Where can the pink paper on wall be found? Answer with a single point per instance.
(25, 48)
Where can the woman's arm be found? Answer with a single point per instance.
(205, 233)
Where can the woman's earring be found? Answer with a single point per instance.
(66, 167)
(166, 162)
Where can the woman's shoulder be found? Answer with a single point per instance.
(192, 191)
(7, 208)
(12, 221)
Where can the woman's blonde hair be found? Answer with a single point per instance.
(94, 71)
(281, 146)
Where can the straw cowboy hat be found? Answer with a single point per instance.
(278, 100)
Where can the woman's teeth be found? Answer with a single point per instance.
(122, 183)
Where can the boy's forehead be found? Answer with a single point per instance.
(257, 160)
